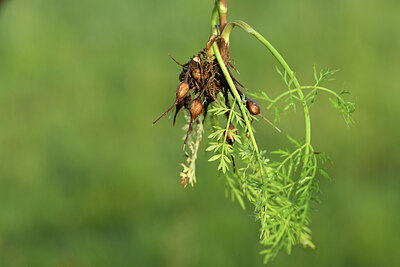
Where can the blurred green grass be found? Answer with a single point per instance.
(86, 181)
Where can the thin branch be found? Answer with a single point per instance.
(225, 35)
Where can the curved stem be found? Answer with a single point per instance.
(299, 89)
(240, 103)
(225, 35)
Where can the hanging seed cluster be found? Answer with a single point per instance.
(201, 80)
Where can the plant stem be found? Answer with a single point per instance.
(214, 17)
(225, 35)
(222, 10)
(303, 88)
(227, 127)
(240, 103)
(228, 123)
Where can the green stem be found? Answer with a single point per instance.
(240, 103)
(225, 35)
(304, 216)
(229, 121)
(214, 17)
(299, 89)
(227, 127)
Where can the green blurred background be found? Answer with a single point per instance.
(85, 180)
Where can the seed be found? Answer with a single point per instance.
(254, 109)
(181, 91)
(195, 109)
(252, 106)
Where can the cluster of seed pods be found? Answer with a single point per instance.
(199, 86)
(201, 80)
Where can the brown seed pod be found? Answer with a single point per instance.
(252, 106)
(195, 109)
(254, 109)
(181, 91)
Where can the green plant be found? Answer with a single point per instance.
(282, 190)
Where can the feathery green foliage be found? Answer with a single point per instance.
(281, 190)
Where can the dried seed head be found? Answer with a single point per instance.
(253, 107)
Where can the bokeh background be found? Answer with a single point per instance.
(85, 180)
